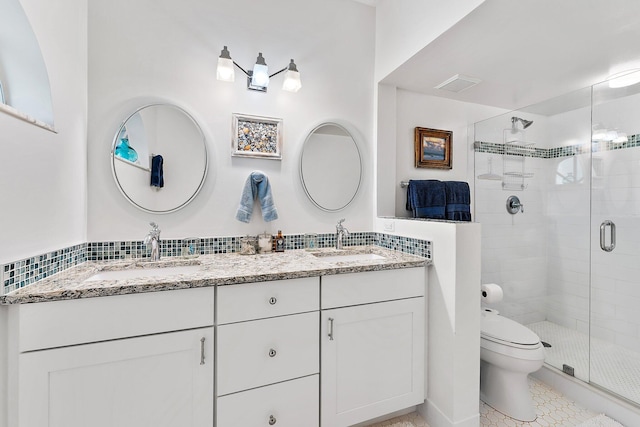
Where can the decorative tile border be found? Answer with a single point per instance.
(513, 149)
(552, 153)
(24, 272)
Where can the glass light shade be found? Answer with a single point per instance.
(624, 79)
(225, 70)
(611, 135)
(260, 76)
(599, 135)
(292, 81)
(621, 138)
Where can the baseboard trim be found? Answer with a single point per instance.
(436, 418)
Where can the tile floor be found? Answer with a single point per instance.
(553, 409)
(609, 365)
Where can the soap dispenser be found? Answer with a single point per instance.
(279, 242)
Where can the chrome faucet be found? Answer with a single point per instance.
(341, 231)
(153, 239)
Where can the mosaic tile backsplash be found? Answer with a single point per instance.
(24, 272)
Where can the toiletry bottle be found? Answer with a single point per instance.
(279, 242)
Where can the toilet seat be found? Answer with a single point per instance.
(502, 330)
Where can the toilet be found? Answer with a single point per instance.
(509, 352)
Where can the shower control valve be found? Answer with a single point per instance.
(514, 206)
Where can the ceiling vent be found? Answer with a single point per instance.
(458, 83)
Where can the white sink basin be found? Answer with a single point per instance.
(141, 273)
(350, 257)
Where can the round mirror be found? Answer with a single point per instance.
(330, 167)
(159, 158)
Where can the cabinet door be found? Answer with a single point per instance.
(163, 380)
(372, 360)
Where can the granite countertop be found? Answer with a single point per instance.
(210, 270)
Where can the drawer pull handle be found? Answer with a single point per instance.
(330, 329)
(202, 351)
(272, 420)
(272, 353)
(273, 300)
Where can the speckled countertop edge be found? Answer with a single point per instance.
(215, 270)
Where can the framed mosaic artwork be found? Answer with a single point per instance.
(257, 137)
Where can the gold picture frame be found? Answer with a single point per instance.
(433, 148)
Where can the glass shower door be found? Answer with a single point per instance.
(614, 359)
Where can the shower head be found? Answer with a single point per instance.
(525, 123)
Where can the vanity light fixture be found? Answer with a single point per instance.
(258, 78)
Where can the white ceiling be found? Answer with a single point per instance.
(527, 51)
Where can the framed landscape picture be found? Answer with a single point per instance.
(433, 148)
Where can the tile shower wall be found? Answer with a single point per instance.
(543, 257)
(27, 271)
(513, 246)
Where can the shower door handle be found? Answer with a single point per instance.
(603, 232)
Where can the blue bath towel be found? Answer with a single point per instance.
(257, 186)
(458, 201)
(157, 175)
(426, 199)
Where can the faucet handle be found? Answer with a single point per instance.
(339, 225)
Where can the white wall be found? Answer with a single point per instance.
(404, 27)
(147, 50)
(43, 174)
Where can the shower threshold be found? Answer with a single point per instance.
(613, 367)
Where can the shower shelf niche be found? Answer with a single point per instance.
(514, 163)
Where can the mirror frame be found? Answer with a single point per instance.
(301, 173)
(114, 160)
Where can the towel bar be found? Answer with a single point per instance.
(404, 184)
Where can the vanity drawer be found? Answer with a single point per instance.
(342, 290)
(291, 404)
(249, 301)
(261, 352)
(86, 320)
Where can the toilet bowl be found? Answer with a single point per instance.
(509, 352)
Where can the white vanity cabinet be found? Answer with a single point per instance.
(372, 344)
(143, 360)
(268, 354)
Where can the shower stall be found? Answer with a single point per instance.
(569, 260)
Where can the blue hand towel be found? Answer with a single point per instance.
(458, 201)
(157, 175)
(257, 186)
(426, 199)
